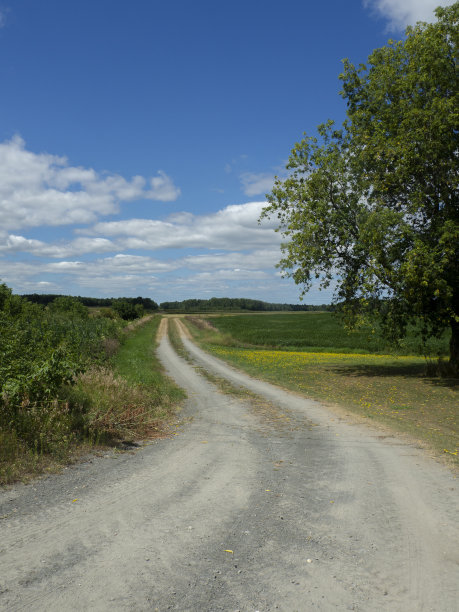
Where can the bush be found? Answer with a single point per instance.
(41, 351)
(127, 310)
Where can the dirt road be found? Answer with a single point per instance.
(282, 507)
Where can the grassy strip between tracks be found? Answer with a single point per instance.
(126, 399)
(222, 383)
(390, 390)
(268, 412)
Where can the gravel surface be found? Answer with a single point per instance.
(283, 506)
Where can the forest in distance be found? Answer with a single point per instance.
(189, 305)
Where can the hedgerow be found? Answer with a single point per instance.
(41, 351)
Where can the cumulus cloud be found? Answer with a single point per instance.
(43, 189)
(256, 184)
(236, 261)
(400, 14)
(14, 244)
(163, 188)
(123, 273)
(234, 227)
(232, 254)
(228, 275)
(120, 263)
(103, 274)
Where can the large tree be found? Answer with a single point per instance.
(374, 206)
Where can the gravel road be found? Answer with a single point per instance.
(282, 506)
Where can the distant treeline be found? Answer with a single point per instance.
(48, 298)
(237, 304)
(192, 305)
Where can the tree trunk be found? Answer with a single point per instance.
(454, 347)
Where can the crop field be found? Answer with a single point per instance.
(317, 331)
(317, 357)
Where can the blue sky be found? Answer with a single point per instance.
(138, 140)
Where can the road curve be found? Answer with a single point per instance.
(278, 507)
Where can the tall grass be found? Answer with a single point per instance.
(132, 398)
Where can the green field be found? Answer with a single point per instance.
(312, 354)
(317, 331)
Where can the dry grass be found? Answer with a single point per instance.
(110, 346)
(113, 408)
(19, 463)
(138, 323)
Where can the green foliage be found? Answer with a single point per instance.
(48, 298)
(127, 310)
(59, 389)
(374, 205)
(40, 351)
(108, 313)
(68, 305)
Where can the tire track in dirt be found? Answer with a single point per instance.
(237, 511)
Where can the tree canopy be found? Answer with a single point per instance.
(373, 206)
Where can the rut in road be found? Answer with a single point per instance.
(290, 509)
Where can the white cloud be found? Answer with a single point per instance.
(228, 275)
(232, 228)
(401, 13)
(67, 266)
(256, 184)
(109, 266)
(15, 244)
(258, 259)
(202, 276)
(232, 255)
(163, 188)
(42, 189)
(122, 274)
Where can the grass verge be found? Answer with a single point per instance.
(127, 399)
(133, 398)
(386, 389)
(222, 383)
